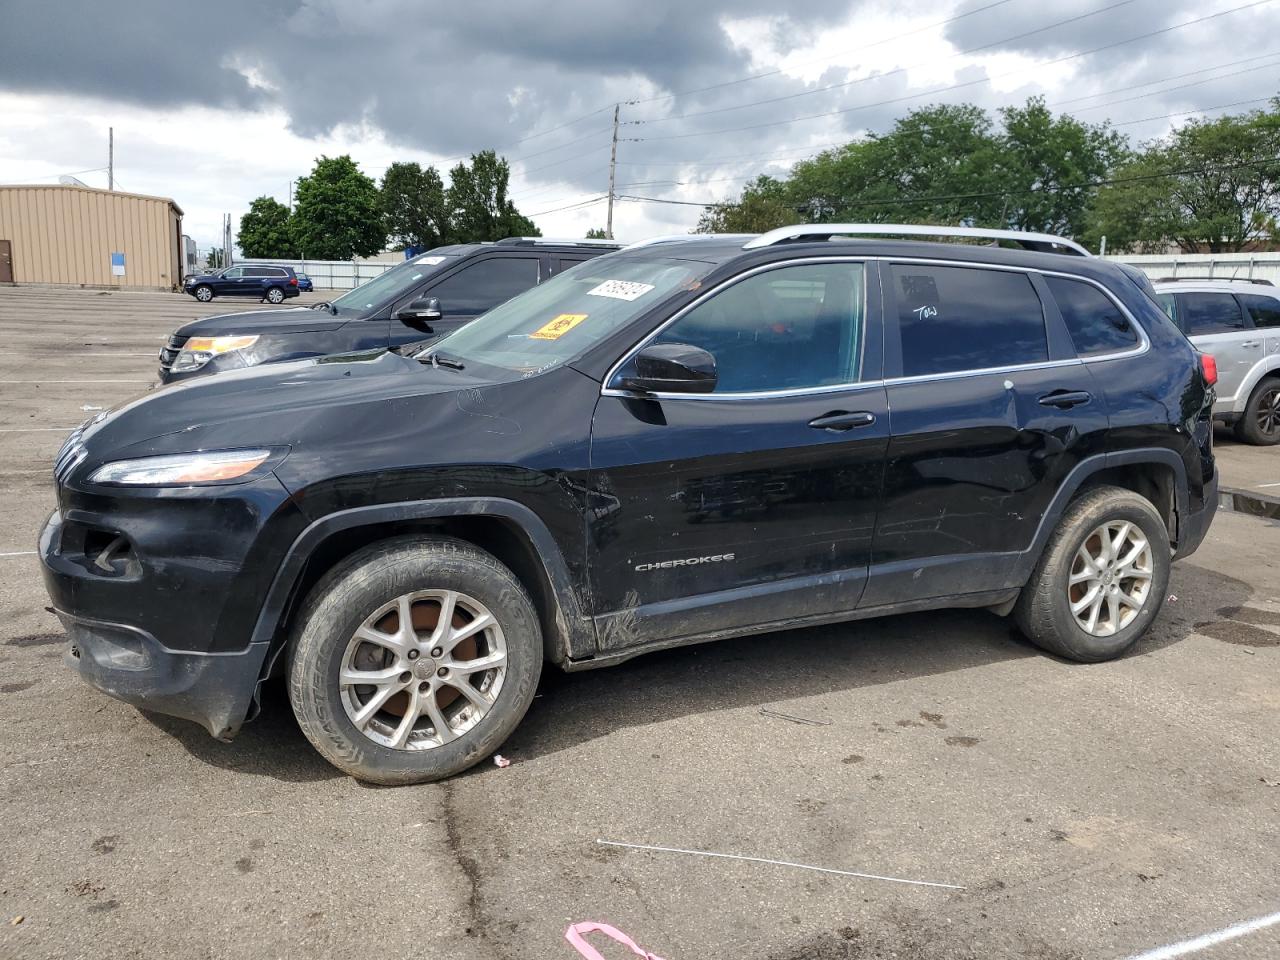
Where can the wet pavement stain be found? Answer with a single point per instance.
(962, 741)
(1266, 618)
(36, 640)
(16, 687)
(1240, 634)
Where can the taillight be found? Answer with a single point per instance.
(293, 281)
(1209, 367)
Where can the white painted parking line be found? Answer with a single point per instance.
(74, 381)
(1261, 485)
(1196, 944)
(36, 429)
(20, 553)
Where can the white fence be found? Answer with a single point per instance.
(1226, 266)
(345, 274)
(333, 274)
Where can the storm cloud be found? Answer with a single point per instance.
(537, 81)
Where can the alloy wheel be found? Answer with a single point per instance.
(423, 669)
(1268, 416)
(1110, 580)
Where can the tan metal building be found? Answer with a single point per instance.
(80, 236)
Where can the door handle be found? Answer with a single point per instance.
(1065, 399)
(1251, 343)
(840, 420)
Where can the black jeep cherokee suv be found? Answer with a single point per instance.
(414, 302)
(680, 442)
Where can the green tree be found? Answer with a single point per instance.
(264, 230)
(937, 164)
(479, 208)
(1211, 185)
(1048, 166)
(597, 233)
(413, 205)
(338, 212)
(213, 259)
(762, 206)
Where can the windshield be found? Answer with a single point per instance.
(394, 282)
(557, 320)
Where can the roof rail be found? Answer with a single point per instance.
(1043, 242)
(560, 241)
(1257, 280)
(676, 237)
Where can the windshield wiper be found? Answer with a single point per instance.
(441, 360)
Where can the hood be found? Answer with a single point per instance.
(263, 406)
(294, 320)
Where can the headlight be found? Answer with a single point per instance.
(180, 469)
(198, 351)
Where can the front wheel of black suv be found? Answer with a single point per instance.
(414, 659)
(1101, 580)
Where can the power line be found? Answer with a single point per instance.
(1186, 113)
(1181, 86)
(890, 73)
(571, 206)
(1179, 76)
(906, 201)
(957, 86)
(834, 56)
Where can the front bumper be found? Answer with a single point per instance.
(214, 689)
(160, 592)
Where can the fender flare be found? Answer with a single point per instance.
(573, 633)
(1086, 468)
(1267, 366)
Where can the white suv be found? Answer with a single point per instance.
(1238, 322)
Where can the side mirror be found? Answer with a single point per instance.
(669, 368)
(423, 310)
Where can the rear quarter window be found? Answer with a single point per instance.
(1096, 323)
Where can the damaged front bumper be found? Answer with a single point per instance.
(213, 689)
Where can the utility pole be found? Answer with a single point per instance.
(111, 158)
(291, 196)
(613, 168)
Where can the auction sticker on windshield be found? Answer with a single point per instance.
(621, 289)
(558, 327)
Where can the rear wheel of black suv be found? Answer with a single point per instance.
(275, 295)
(1101, 580)
(414, 659)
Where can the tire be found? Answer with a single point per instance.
(373, 583)
(1044, 612)
(275, 295)
(203, 293)
(1260, 422)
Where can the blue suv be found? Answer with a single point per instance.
(272, 284)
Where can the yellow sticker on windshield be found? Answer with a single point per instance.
(558, 327)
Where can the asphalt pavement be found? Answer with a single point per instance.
(1042, 809)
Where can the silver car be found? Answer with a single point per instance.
(1238, 322)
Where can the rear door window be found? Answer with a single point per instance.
(1265, 311)
(1096, 323)
(953, 319)
(1205, 313)
(484, 284)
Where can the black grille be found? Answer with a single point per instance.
(169, 352)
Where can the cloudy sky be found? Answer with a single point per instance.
(214, 105)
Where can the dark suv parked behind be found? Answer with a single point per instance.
(272, 284)
(679, 442)
(415, 302)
